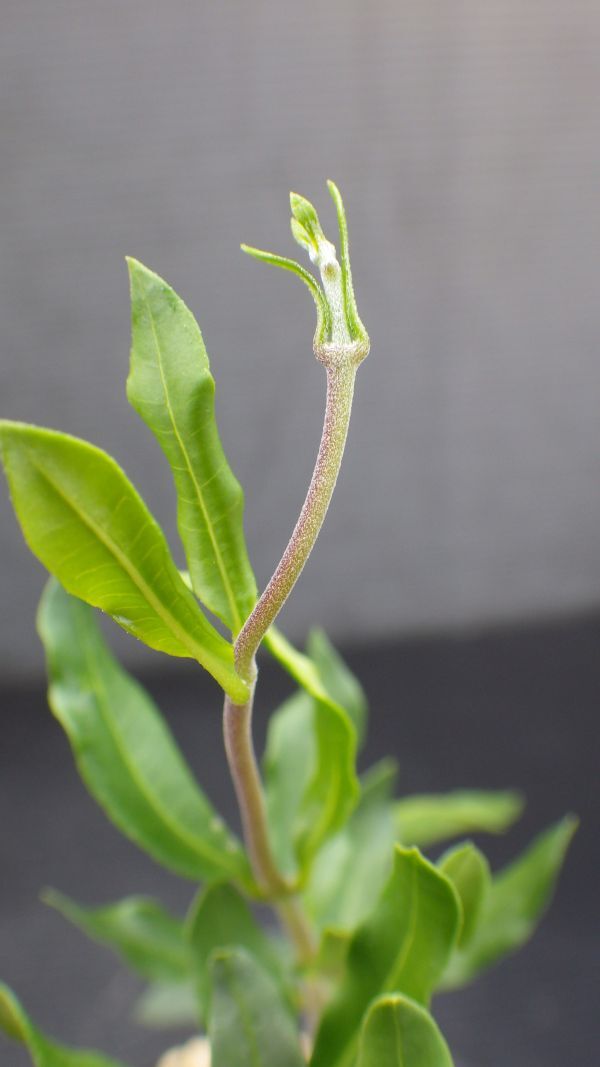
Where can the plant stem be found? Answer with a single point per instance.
(341, 360)
(340, 389)
(237, 732)
(293, 918)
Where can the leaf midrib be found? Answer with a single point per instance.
(133, 573)
(237, 621)
(398, 1037)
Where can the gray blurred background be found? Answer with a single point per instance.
(465, 138)
(461, 560)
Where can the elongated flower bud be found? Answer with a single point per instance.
(340, 336)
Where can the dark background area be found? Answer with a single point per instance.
(461, 560)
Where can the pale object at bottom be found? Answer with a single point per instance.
(196, 1053)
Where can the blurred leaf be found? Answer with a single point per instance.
(427, 818)
(172, 389)
(332, 955)
(150, 940)
(468, 870)
(84, 520)
(300, 667)
(221, 919)
(379, 779)
(124, 750)
(338, 680)
(310, 779)
(517, 898)
(403, 947)
(399, 1033)
(333, 788)
(249, 1023)
(44, 1052)
(288, 758)
(350, 870)
(163, 1005)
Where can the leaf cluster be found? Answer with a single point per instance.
(390, 927)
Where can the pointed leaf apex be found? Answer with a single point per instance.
(304, 213)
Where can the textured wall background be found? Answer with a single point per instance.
(465, 138)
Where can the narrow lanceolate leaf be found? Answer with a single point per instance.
(300, 667)
(333, 788)
(351, 869)
(402, 947)
(338, 680)
(513, 906)
(310, 777)
(172, 389)
(138, 929)
(249, 1024)
(44, 1052)
(84, 520)
(322, 674)
(124, 750)
(469, 871)
(399, 1033)
(425, 819)
(221, 919)
(323, 312)
(288, 759)
(312, 795)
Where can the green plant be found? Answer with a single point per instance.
(368, 929)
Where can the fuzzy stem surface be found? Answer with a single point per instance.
(340, 390)
(237, 733)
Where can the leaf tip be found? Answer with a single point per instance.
(11, 1020)
(570, 825)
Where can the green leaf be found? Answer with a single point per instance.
(124, 750)
(333, 789)
(402, 947)
(221, 919)
(172, 389)
(399, 1033)
(249, 1023)
(308, 231)
(325, 768)
(352, 868)
(330, 961)
(469, 871)
(139, 929)
(338, 680)
(84, 520)
(323, 313)
(322, 674)
(357, 330)
(516, 901)
(300, 667)
(425, 819)
(165, 1005)
(310, 779)
(287, 763)
(44, 1052)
